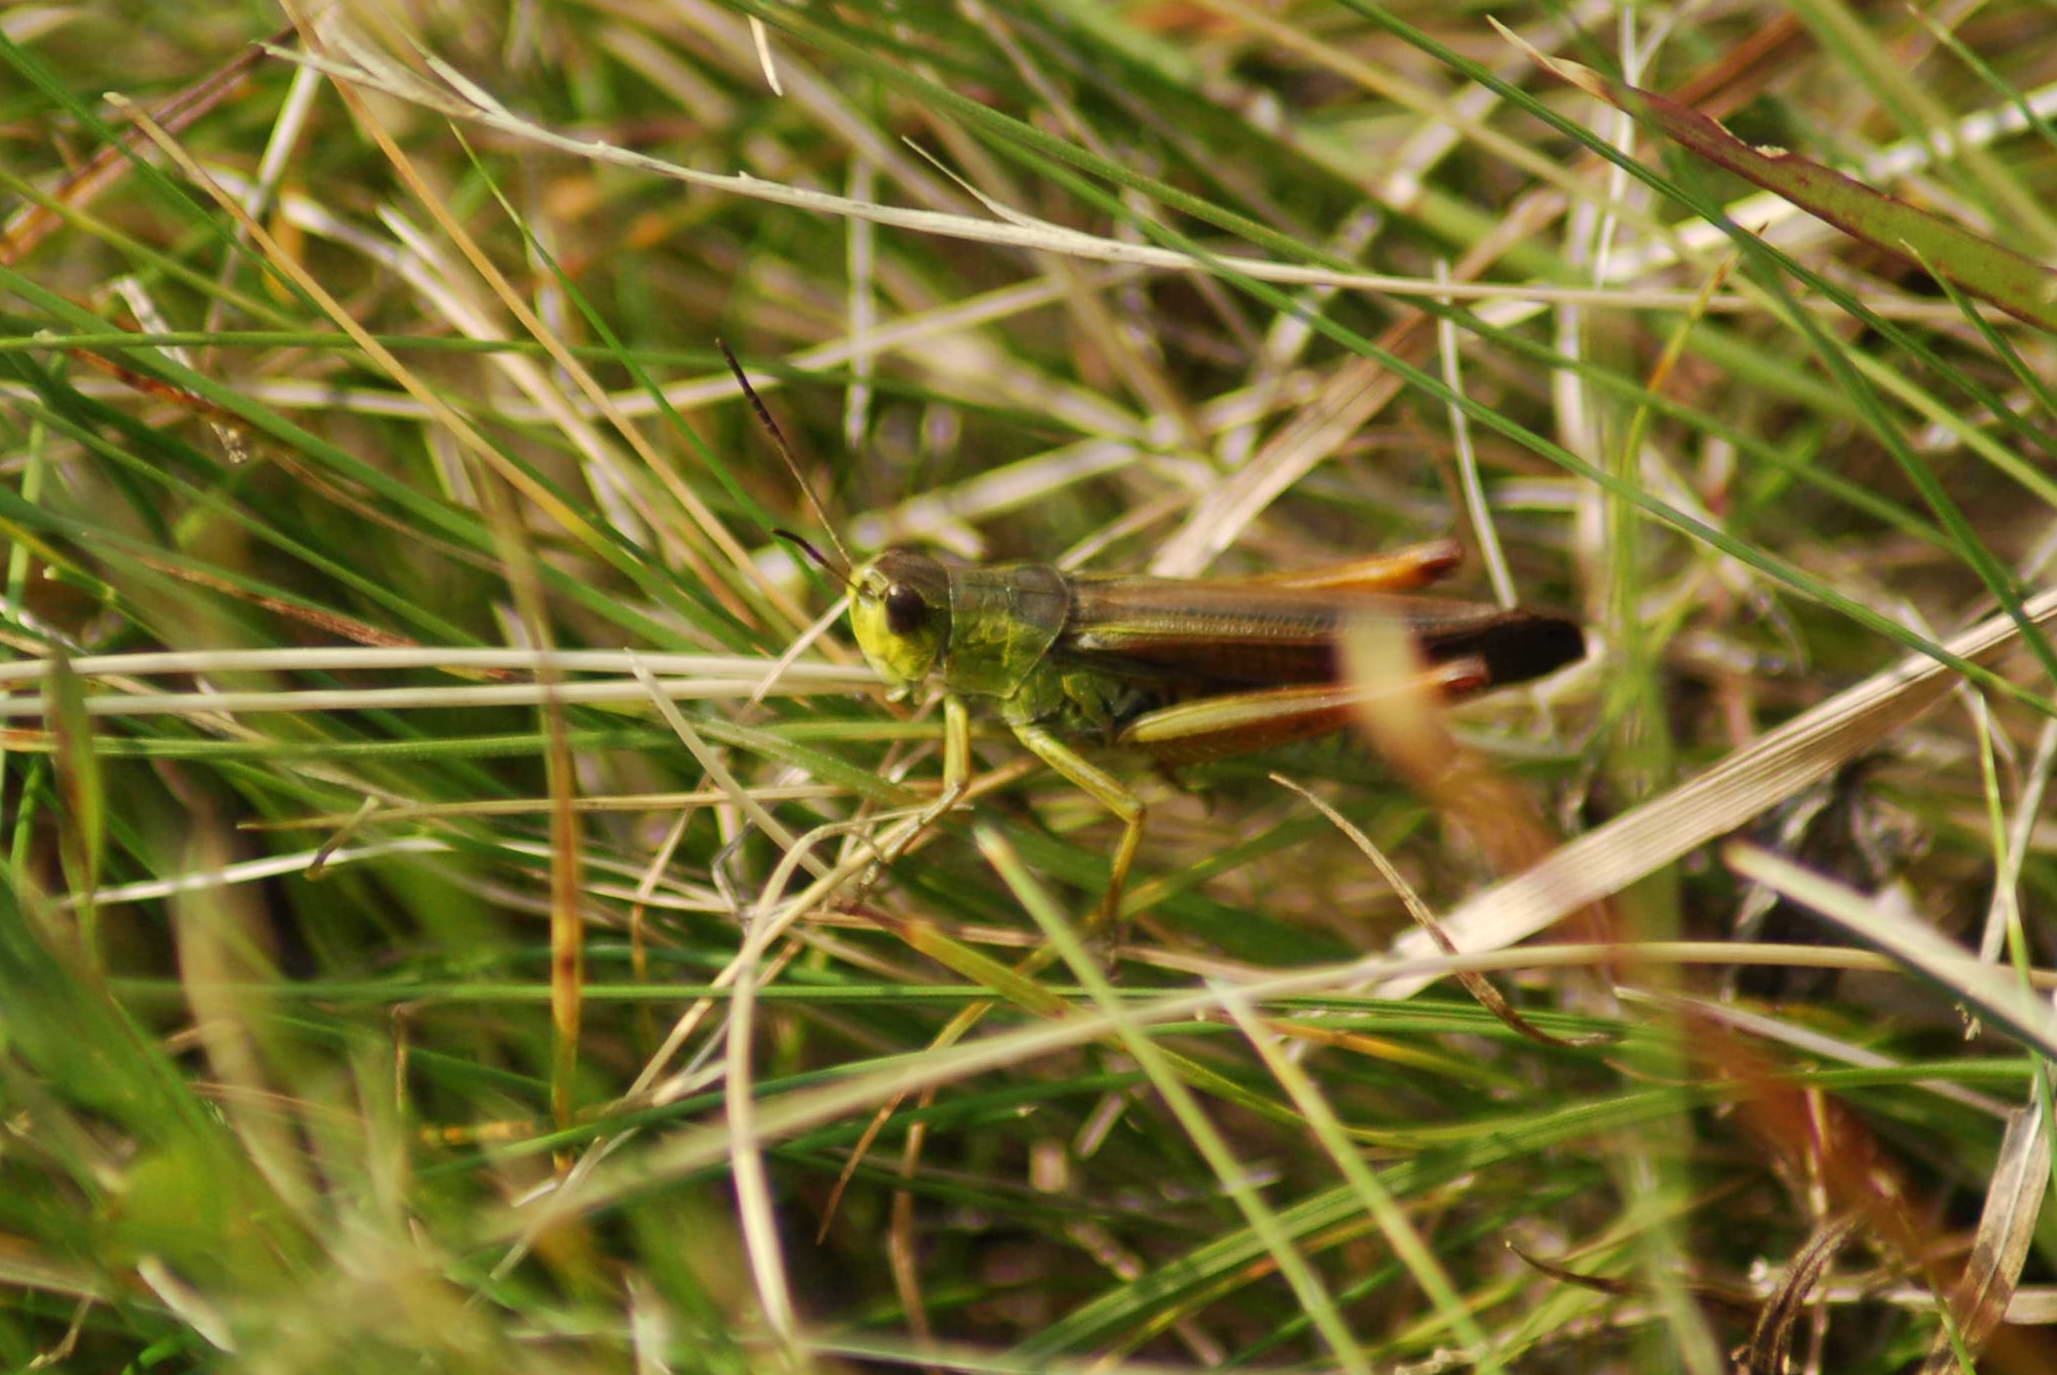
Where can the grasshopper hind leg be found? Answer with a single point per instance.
(1240, 723)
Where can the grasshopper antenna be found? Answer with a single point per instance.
(841, 575)
(840, 568)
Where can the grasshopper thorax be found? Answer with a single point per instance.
(900, 614)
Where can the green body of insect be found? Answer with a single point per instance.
(1177, 669)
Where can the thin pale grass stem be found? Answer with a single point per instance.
(354, 657)
(1043, 236)
(400, 699)
(1809, 1041)
(648, 1090)
(2004, 908)
(754, 1210)
(646, 1082)
(646, 887)
(347, 828)
(1999, 994)
(701, 1148)
(522, 806)
(1466, 453)
(715, 769)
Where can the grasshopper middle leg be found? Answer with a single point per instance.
(1104, 788)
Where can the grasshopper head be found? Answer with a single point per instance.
(900, 614)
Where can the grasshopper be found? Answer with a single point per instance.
(1180, 670)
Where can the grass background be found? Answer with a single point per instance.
(366, 1002)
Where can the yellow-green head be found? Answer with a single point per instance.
(900, 614)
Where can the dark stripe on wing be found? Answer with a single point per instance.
(1221, 634)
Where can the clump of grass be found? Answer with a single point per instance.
(442, 921)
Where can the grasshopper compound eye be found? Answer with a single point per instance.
(906, 610)
(900, 614)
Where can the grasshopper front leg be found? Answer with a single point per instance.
(1107, 790)
(956, 782)
(956, 779)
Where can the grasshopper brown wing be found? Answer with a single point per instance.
(1231, 634)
